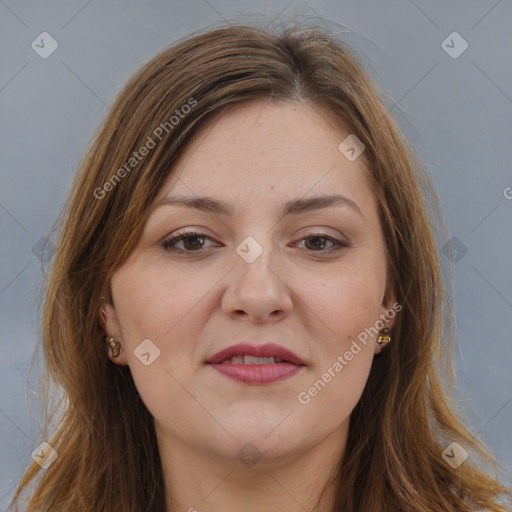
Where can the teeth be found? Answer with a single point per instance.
(258, 360)
(252, 360)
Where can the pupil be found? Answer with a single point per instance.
(198, 241)
(317, 238)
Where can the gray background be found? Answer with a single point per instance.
(456, 111)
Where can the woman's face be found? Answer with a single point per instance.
(284, 248)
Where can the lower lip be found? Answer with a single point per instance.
(257, 373)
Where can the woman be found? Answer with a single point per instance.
(250, 236)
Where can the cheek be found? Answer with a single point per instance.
(153, 301)
(346, 308)
(334, 392)
(156, 302)
(163, 306)
(347, 302)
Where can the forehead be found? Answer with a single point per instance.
(267, 147)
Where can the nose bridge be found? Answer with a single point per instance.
(256, 259)
(256, 287)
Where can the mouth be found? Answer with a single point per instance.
(252, 360)
(256, 364)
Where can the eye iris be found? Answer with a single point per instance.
(320, 244)
(199, 240)
(194, 242)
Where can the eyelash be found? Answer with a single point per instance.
(169, 243)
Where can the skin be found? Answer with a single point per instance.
(297, 293)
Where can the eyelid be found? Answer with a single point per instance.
(185, 232)
(322, 232)
(200, 231)
(168, 242)
(338, 242)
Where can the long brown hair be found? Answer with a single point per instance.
(108, 458)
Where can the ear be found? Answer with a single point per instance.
(388, 312)
(112, 327)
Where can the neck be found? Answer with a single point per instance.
(196, 480)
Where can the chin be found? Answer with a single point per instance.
(261, 451)
(264, 433)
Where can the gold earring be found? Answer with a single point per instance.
(115, 346)
(383, 338)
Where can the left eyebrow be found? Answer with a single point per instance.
(315, 203)
(294, 207)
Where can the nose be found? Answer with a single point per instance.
(257, 291)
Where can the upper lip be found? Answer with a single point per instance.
(266, 350)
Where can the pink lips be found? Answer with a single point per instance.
(257, 373)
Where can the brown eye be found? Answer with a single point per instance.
(318, 242)
(191, 242)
